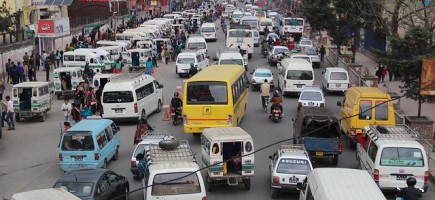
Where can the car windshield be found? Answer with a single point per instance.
(78, 189)
(293, 166)
(175, 184)
(306, 42)
(266, 23)
(263, 74)
(196, 45)
(273, 36)
(207, 29)
(311, 51)
(237, 16)
(77, 141)
(311, 96)
(299, 75)
(281, 50)
(185, 60)
(118, 97)
(231, 62)
(402, 157)
(207, 92)
(293, 22)
(342, 76)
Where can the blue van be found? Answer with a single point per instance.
(89, 144)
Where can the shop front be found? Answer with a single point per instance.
(51, 34)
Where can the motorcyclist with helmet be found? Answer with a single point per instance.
(265, 47)
(193, 70)
(276, 102)
(266, 30)
(410, 192)
(176, 103)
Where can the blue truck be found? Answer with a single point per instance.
(318, 129)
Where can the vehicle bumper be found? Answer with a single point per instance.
(182, 71)
(289, 187)
(337, 89)
(134, 171)
(394, 189)
(322, 154)
(121, 119)
(66, 167)
(316, 64)
(200, 128)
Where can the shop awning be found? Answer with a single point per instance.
(58, 2)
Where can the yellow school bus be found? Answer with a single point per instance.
(215, 97)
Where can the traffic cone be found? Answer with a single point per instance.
(166, 114)
(179, 91)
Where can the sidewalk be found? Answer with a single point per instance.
(408, 107)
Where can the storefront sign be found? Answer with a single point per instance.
(53, 27)
(38, 2)
(154, 2)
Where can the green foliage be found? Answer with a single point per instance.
(6, 18)
(336, 30)
(319, 13)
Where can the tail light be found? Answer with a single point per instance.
(133, 163)
(61, 159)
(185, 119)
(322, 105)
(96, 156)
(285, 83)
(314, 82)
(135, 108)
(230, 119)
(275, 179)
(426, 177)
(376, 175)
(340, 147)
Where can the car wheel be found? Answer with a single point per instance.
(43, 117)
(247, 184)
(104, 164)
(116, 156)
(17, 117)
(58, 95)
(335, 160)
(273, 193)
(126, 192)
(143, 115)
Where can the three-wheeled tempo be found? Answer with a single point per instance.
(229, 151)
(32, 99)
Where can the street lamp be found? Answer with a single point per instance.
(4, 71)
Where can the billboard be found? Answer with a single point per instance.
(428, 77)
(53, 27)
(37, 2)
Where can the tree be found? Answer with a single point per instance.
(319, 13)
(406, 60)
(6, 18)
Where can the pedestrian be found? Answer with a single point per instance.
(166, 55)
(80, 95)
(66, 108)
(2, 89)
(149, 66)
(38, 63)
(20, 72)
(26, 58)
(75, 113)
(14, 72)
(4, 111)
(8, 66)
(47, 71)
(90, 100)
(58, 56)
(98, 95)
(118, 67)
(25, 72)
(52, 58)
(322, 53)
(141, 129)
(10, 113)
(44, 58)
(31, 72)
(384, 73)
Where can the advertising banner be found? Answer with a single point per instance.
(154, 2)
(53, 27)
(428, 77)
(38, 2)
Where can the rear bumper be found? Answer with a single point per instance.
(200, 128)
(121, 119)
(134, 171)
(66, 167)
(290, 187)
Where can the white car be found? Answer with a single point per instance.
(258, 76)
(311, 96)
(143, 146)
(224, 14)
(274, 36)
(256, 38)
(288, 166)
(305, 43)
(335, 79)
(315, 58)
(275, 53)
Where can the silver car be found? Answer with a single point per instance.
(311, 96)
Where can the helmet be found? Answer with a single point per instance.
(265, 80)
(175, 94)
(411, 181)
(191, 65)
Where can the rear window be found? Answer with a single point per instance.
(208, 29)
(77, 142)
(78, 189)
(304, 58)
(265, 23)
(311, 96)
(196, 45)
(365, 110)
(175, 184)
(231, 62)
(402, 157)
(293, 166)
(185, 60)
(207, 93)
(118, 97)
(299, 75)
(338, 76)
(263, 74)
(381, 110)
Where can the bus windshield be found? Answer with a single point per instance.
(293, 22)
(239, 33)
(231, 62)
(207, 92)
(252, 23)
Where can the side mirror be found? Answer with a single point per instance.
(160, 85)
(339, 103)
(208, 57)
(270, 157)
(323, 72)
(299, 186)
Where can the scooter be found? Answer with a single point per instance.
(176, 115)
(276, 114)
(266, 101)
(401, 198)
(265, 52)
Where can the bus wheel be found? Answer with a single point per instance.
(43, 117)
(247, 184)
(58, 95)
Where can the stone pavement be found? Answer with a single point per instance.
(408, 107)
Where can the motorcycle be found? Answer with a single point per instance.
(276, 114)
(265, 52)
(265, 103)
(401, 198)
(176, 115)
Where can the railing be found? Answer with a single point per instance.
(14, 37)
(81, 21)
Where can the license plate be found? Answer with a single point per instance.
(299, 86)
(293, 180)
(276, 115)
(119, 111)
(311, 104)
(78, 158)
(338, 85)
(401, 177)
(172, 114)
(319, 153)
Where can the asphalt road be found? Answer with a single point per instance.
(29, 154)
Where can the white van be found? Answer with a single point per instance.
(198, 57)
(236, 16)
(231, 56)
(104, 57)
(391, 154)
(265, 22)
(335, 79)
(165, 165)
(302, 56)
(136, 59)
(209, 31)
(105, 43)
(79, 59)
(46, 194)
(171, 16)
(115, 52)
(294, 75)
(131, 96)
(32, 100)
(339, 184)
(66, 80)
(196, 42)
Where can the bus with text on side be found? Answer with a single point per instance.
(240, 35)
(292, 25)
(215, 97)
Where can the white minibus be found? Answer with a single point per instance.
(294, 75)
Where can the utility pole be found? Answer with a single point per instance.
(4, 71)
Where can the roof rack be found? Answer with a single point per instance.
(156, 134)
(128, 76)
(228, 49)
(401, 131)
(295, 148)
(181, 153)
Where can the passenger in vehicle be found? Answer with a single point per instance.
(141, 129)
(141, 165)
